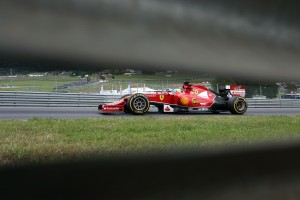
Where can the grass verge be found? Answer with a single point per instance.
(39, 140)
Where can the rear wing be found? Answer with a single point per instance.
(236, 90)
(233, 89)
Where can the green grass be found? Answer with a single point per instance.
(48, 83)
(38, 140)
(37, 84)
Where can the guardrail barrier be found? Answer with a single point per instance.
(47, 99)
(43, 99)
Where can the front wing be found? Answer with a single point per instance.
(165, 108)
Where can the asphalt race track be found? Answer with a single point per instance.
(91, 112)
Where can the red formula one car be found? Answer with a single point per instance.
(191, 98)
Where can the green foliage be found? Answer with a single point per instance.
(270, 90)
(290, 87)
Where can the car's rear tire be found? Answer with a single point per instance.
(138, 104)
(237, 105)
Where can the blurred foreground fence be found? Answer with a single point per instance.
(42, 99)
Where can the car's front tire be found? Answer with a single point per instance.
(138, 104)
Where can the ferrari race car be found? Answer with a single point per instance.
(191, 98)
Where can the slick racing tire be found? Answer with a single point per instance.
(125, 96)
(237, 105)
(126, 107)
(138, 104)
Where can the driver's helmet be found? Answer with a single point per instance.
(186, 85)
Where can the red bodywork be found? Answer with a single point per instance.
(194, 96)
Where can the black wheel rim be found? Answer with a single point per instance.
(240, 105)
(139, 103)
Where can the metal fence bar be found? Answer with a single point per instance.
(274, 103)
(44, 99)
